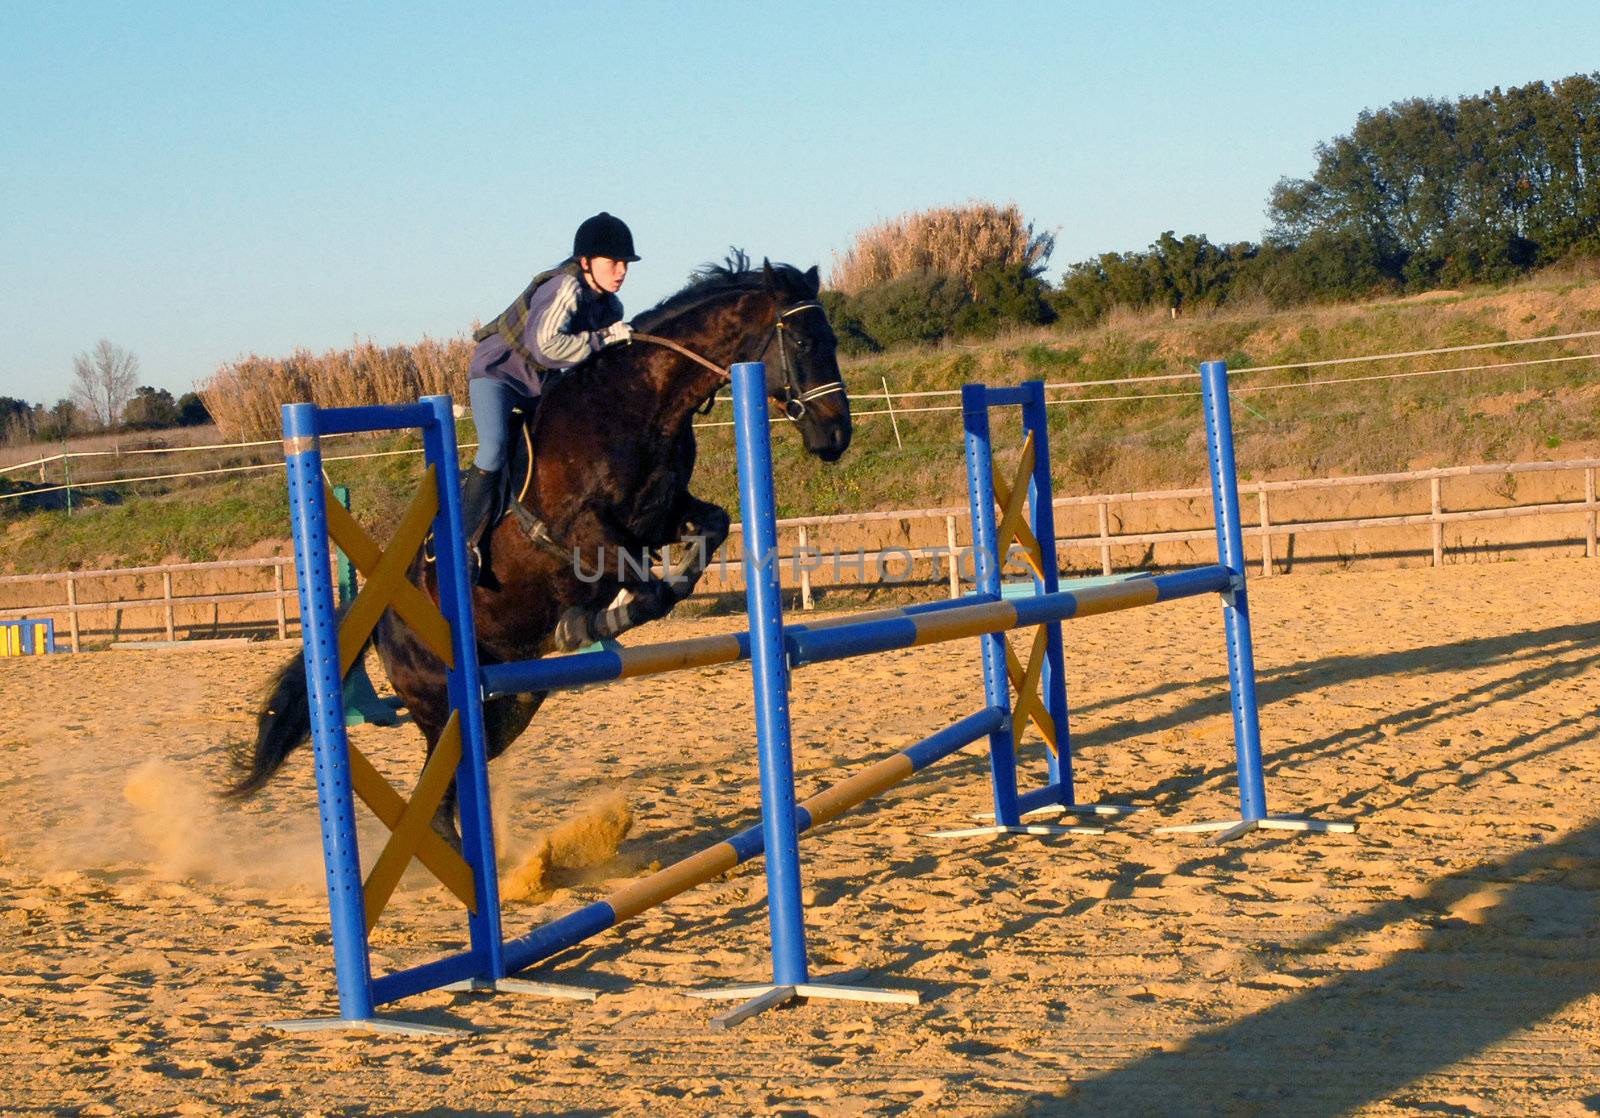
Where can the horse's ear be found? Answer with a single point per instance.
(769, 276)
(815, 280)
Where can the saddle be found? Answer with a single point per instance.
(516, 482)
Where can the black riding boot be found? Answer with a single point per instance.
(480, 508)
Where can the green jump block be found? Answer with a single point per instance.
(1024, 588)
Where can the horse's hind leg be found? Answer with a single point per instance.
(418, 677)
(504, 719)
(432, 723)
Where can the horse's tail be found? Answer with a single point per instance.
(283, 723)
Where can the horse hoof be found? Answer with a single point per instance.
(572, 631)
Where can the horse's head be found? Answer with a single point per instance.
(801, 356)
(731, 312)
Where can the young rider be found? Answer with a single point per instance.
(564, 317)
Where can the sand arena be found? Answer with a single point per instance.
(1444, 959)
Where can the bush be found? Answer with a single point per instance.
(854, 340)
(192, 410)
(1004, 296)
(926, 307)
(917, 308)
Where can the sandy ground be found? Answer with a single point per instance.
(1443, 960)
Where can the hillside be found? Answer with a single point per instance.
(1106, 437)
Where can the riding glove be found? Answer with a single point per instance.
(615, 334)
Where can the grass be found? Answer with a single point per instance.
(1538, 411)
(218, 521)
(115, 442)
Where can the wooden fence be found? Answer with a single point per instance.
(168, 607)
(940, 555)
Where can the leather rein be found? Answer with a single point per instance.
(795, 400)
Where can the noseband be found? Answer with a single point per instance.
(794, 399)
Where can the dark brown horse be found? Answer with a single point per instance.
(613, 449)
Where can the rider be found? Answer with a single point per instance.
(564, 317)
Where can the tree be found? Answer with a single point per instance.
(16, 421)
(103, 382)
(150, 408)
(192, 410)
(60, 421)
(1429, 192)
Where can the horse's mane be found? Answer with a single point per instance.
(712, 280)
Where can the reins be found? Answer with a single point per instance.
(723, 375)
(682, 351)
(794, 406)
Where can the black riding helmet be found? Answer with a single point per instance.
(604, 235)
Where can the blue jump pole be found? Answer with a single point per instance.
(986, 560)
(1053, 681)
(465, 688)
(770, 672)
(319, 626)
(1236, 610)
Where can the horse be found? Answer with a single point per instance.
(608, 467)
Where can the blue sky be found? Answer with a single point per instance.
(198, 181)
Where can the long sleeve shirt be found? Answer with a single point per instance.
(565, 318)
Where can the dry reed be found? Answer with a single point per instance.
(244, 396)
(958, 240)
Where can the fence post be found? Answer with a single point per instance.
(889, 401)
(283, 614)
(1435, 485)
(1588, 499)
(1266, 533)
(1042, 513)
(955, 551)
(72, 612)
(1105, 537)
(805, 568)
(166, 601)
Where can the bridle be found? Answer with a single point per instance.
(794, 398)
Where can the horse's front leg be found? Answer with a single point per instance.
(604, 556)
(702, 529)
